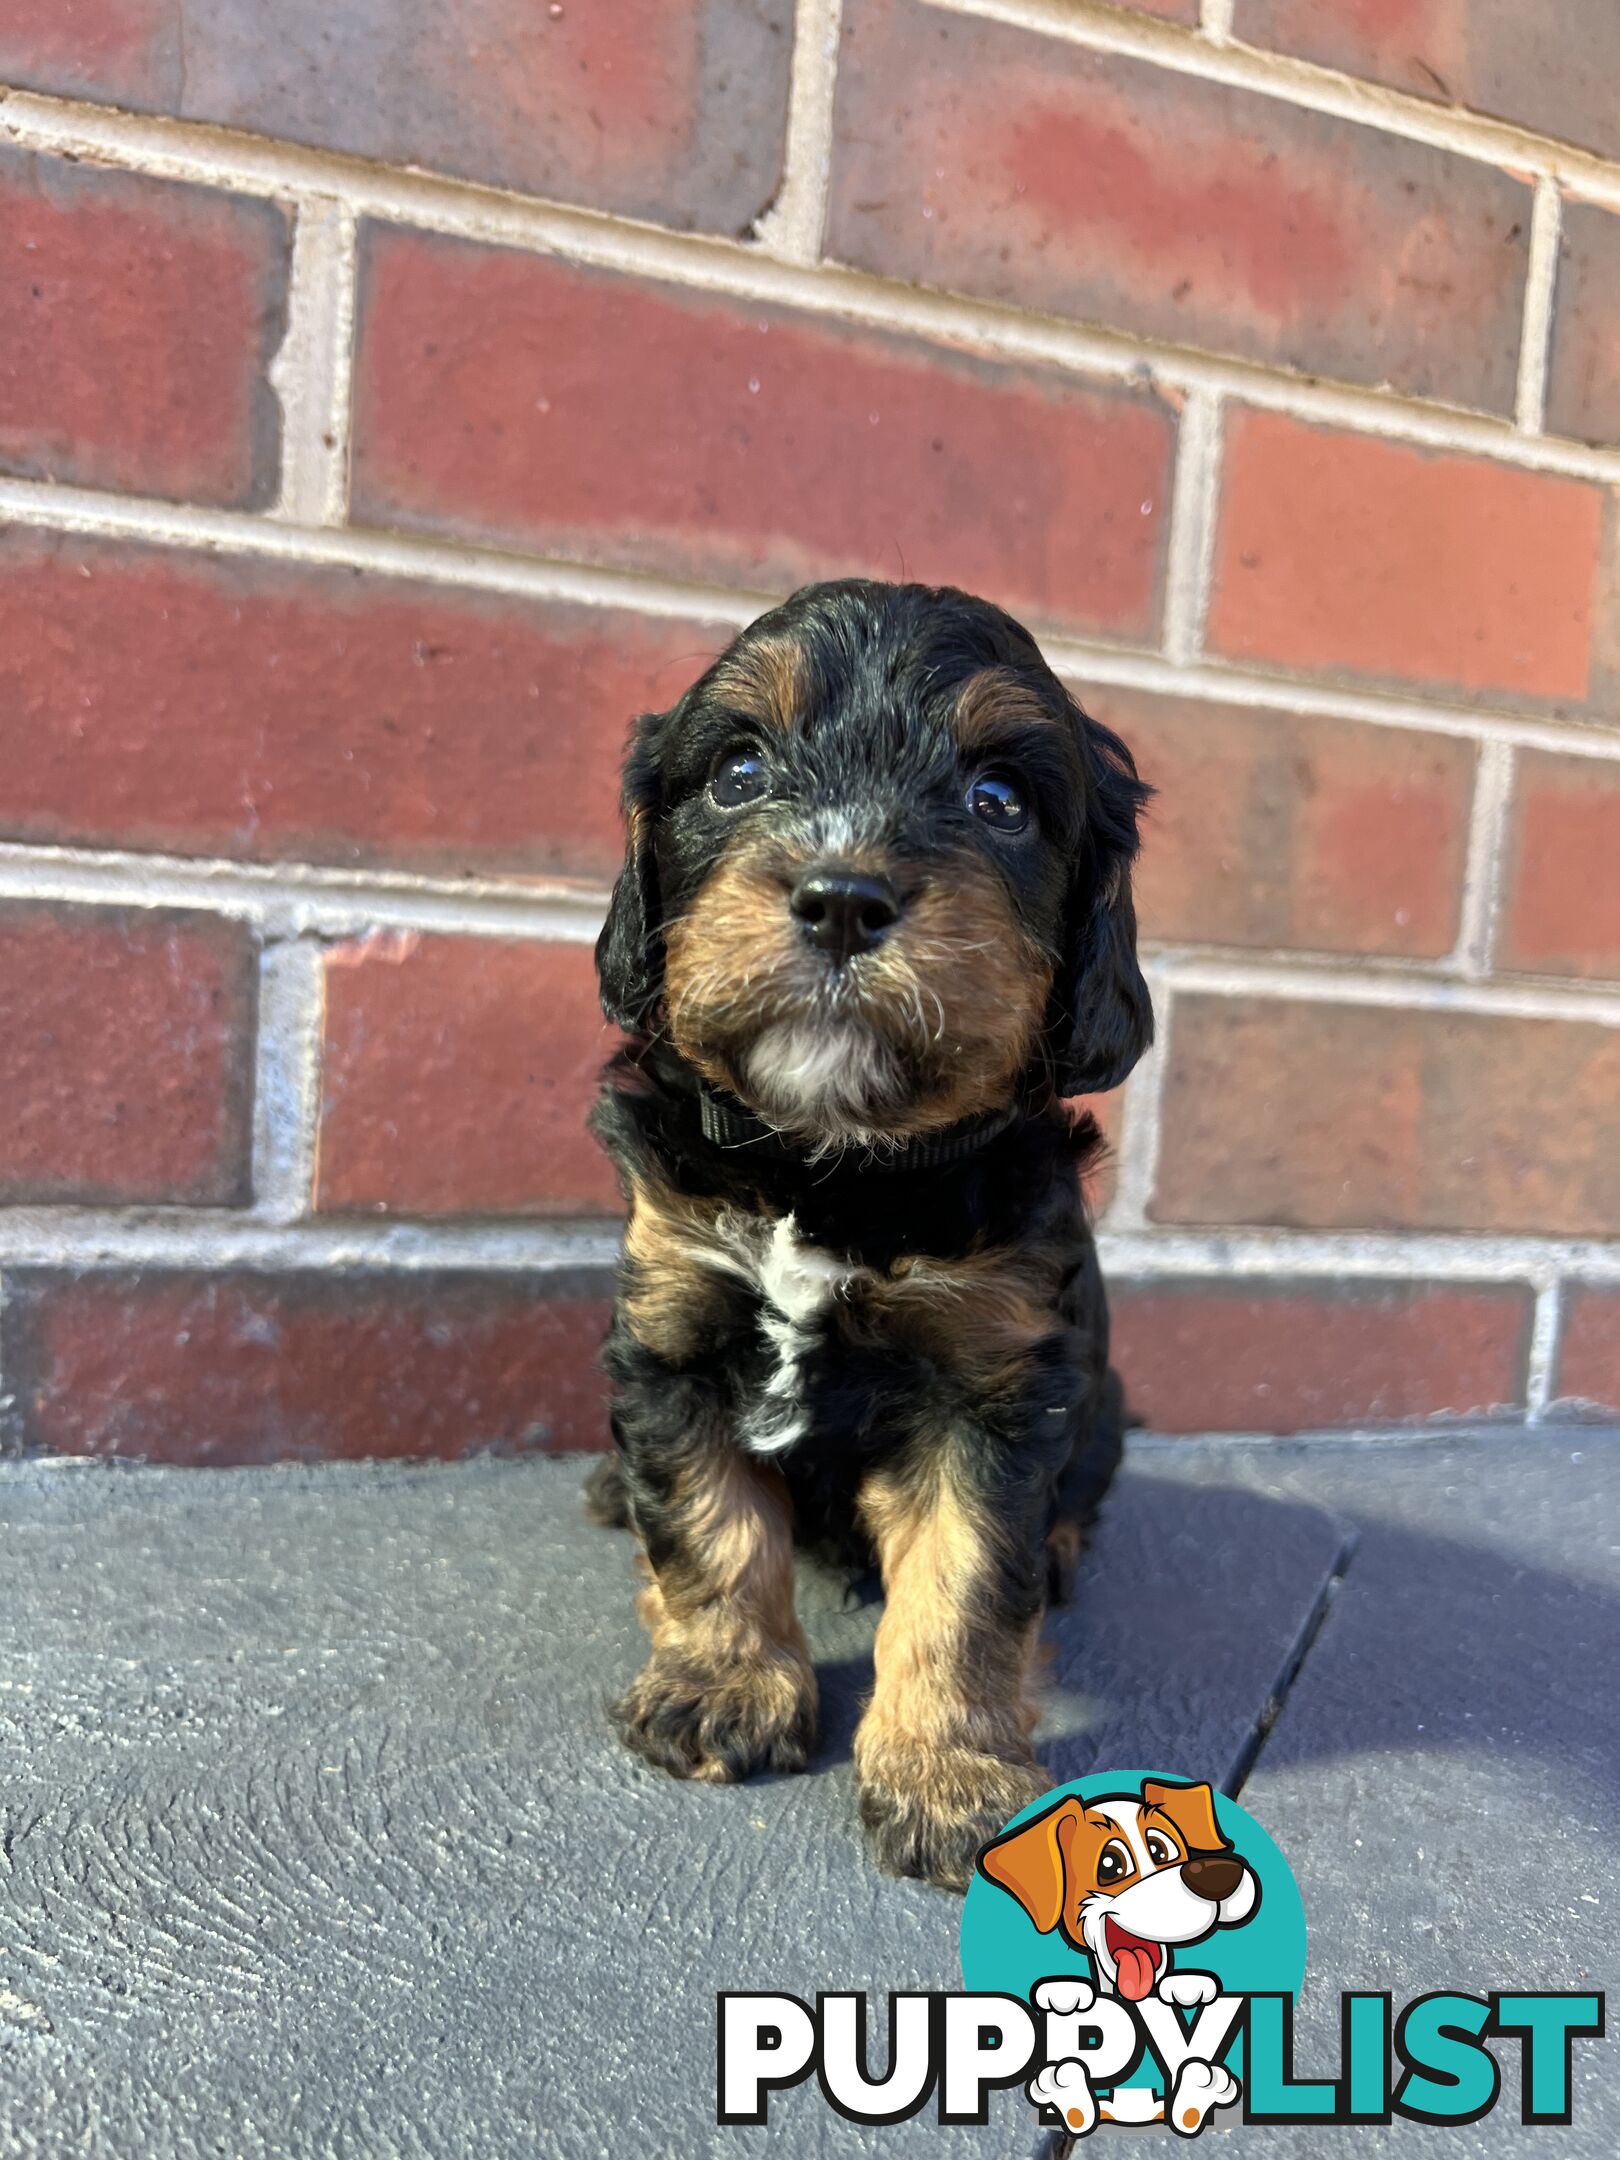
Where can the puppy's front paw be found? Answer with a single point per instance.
(929, 1811)
(720, 1725)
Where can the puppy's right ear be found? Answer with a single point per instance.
(1191, 1808)
(1029, 1863)
(630, 949)
(1107, 1013)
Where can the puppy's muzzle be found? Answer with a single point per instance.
(1213, 1876)
(844, 913)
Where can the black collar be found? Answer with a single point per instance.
(728, 1125)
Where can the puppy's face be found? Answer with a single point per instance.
(1127, 1879)
(878, 862)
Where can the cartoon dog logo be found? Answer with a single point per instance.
(1129, 1879)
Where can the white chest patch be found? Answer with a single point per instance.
(797, 1282)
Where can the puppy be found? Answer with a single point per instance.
(1127, 1880)
(874, 925)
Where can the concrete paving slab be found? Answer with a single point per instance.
(1445, 1773)
(315, 1840)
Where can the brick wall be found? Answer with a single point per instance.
(380, 425)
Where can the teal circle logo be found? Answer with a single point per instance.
(1124, 1881)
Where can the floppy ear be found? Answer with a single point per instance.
(1028, 1862)
(1104, 1013)
(630, 949)
(1192, 1809)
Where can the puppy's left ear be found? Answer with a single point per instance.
(630, 949)
(1104, 1015)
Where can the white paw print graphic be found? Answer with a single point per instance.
(1200, 2088)
(1065, 2087)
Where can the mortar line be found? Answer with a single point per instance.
(1545, 1336)
(202, 1237)
(287, 900)
(1215, 20)
(1540, 291)
(286, 1091)
(1190, 555)
(311, 372)
(1246, 1253)
(85, 513)
(159, 1238)
(748, 272)
(97, 516)
(1232, 975)
(1213, 681)
(792, 228)
(1144, 1111)
(1484, 864)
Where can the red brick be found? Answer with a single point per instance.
(667, 109)
(1583, 377)
(93, 48)
(1201, 1356)
(456, 1075)
(1348, 554)
(137, 324)
(1337, 1116)
(200, 704)
(253, 1368)
(1551, 65)
(1562, 913)
(126, 1056)
(1275, 829)
(987, 159)
(508, 398)
(1588, 1369)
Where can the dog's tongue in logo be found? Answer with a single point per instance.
(1137, 1962)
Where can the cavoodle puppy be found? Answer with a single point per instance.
(874, 926)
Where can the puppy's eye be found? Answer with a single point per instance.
(1159, 1849)
(1114, 1865)
(742, 776)
(996, 799)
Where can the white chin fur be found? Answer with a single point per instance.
(831, 1079)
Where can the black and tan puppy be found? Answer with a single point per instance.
(874, 924)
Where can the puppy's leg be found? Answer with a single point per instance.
(729, 1687)
(943, 1754)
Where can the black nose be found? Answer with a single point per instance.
(844, 912)
(1211, 1875)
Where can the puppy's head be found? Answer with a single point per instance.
(879, 871)
(1127, 1879)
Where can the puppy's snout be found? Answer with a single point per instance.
(1212, 1876)
(844, 912)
